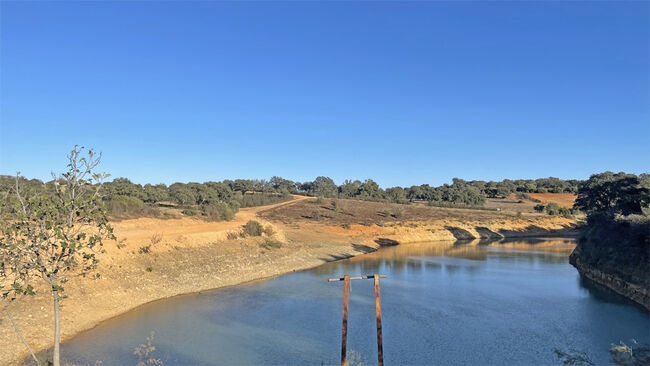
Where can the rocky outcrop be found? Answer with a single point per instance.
(635, 292)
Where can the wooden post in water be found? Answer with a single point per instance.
(380, 347)
(344, 331)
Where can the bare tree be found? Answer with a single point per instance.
(59, 233)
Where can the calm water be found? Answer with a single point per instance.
(442, 303)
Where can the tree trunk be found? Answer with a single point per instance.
(57, 332)
(19, 333)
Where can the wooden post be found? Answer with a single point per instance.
(344, 331)
(380, 348)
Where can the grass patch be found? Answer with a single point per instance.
(270, 244)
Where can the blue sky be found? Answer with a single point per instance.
(401, 92)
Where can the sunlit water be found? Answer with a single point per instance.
(448, 304)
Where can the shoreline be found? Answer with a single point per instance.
(196, 256)
(27, 358)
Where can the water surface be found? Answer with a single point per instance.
(443, 303)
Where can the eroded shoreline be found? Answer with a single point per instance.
(196, 256)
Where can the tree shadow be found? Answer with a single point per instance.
(460, 234)
(485, 233)
(385, 242)
(533, 230)
(363, 248)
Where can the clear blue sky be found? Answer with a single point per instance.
(403, 93)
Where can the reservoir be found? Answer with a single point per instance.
(510, 302)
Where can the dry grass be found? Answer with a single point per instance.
(350, 212)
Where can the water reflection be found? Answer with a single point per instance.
(454, 303)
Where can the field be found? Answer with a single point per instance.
(349, 212)
(513, 203)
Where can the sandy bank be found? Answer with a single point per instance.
(188, 255)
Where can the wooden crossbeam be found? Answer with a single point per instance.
(344, 327)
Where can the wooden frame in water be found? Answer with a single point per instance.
(344, 326)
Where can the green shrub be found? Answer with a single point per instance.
(261, 199)
(189, 212)
(315, 214)
(539, 208)
(123, 207)
(252, 228)
(218, 211)
(320, 200)
(553, 208)
(398, 212)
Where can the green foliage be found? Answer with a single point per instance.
(552, 208)
(613, 193)
(124, 207)
(189, 212)
(335, 205)
(398, 212)
(56, 233)
(320, 200)
(396, 195)
(539, 208)
(324, 186)
(157, 193)
(252, 228)
(218, 211)
(315, 214)
(261, 199)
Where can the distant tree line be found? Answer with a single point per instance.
(220, 200)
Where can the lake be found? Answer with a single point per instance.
(510, 302)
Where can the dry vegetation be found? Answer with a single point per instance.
(351, 212)
(184, 255)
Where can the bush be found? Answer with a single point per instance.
(189, 212)
(320, 200)
(398, 212)
(127, 207)
(315, 214)
(232, 235)
(261, 199)
(218, 211)
(252, 228)
(553, 208)
(539, 208)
